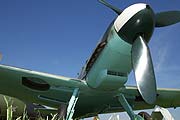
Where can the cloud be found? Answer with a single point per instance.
(162, 56)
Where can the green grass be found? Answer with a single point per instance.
(9, 105)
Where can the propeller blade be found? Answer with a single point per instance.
(167, 18)
(117, 10)
(144, 71)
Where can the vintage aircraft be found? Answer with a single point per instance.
(100, 87)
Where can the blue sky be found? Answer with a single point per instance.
(58, 36)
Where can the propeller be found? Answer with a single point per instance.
(115, 9)
(140, 54)
(143, 69)
(167, 18)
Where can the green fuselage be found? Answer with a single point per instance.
(113, 64)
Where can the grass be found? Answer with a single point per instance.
(9, 115)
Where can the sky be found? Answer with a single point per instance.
(58, 36)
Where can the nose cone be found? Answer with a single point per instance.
(134, 20)
(127, 14)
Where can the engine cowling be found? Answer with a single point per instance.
(106, 79)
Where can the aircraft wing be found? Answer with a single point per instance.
(166, 97)
(52, 90)
(37, 87)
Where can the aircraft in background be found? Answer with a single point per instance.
(100, 87)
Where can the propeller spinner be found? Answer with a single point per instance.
(135, 25)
